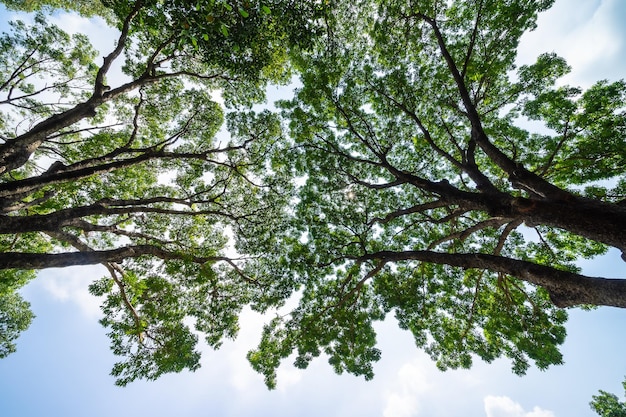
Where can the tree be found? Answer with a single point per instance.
(129, 170)
(425, 194)
(608, 405)
(408, 183)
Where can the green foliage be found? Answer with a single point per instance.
(29, 55)
(385, 150)
(246, 39)
(15, 317)
(148, 165)
(608, 405)
(591, 132)
(86, 8)
(408, 184)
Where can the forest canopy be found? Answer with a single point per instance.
(399, 179)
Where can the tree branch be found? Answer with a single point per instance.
(516, 172)
(566, 288)
(21, 260)
(411, 210)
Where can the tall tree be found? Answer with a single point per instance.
(129, 171)
(419, 191)
(425, 195)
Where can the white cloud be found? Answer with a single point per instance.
(411, 383)
(218, 97)
(506, 407)
(287, 376)
(401, 405)
(71, 285)
(587, 35)
(102, 36)
(242, 376)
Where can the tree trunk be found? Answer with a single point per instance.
(595, 220)
(16, 260)
(566, 289)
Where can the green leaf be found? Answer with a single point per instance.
(224, 29)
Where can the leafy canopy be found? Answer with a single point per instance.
(144, 171)
(424, 196)
(407, 184)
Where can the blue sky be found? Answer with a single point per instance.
(62, 364)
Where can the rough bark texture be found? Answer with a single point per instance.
(593, 220)
(15, 152)
(16, 260)
(566, 289)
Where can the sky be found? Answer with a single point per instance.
(62, 364)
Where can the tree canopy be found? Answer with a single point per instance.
(399, 179)
(134, 175)
(426, 197)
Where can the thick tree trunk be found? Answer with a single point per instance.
(16, 260)
(592, 219)
(566, 289)
(16, 152)
(595, 220)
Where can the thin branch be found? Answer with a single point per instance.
(464, 234)
(72, 132)
(114, 269)
(505, 234)
(470, 317)
(419, 208)
(100, 88)
(470, 48)
(517, 173)
(544, 169)
(413, 116)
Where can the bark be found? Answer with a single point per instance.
(15, 189)
(550, 206)
(19, 260)
(67, 217)
(592, 219)
(595, 220)
(566, 289)
(15, 152)
(517, 173)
